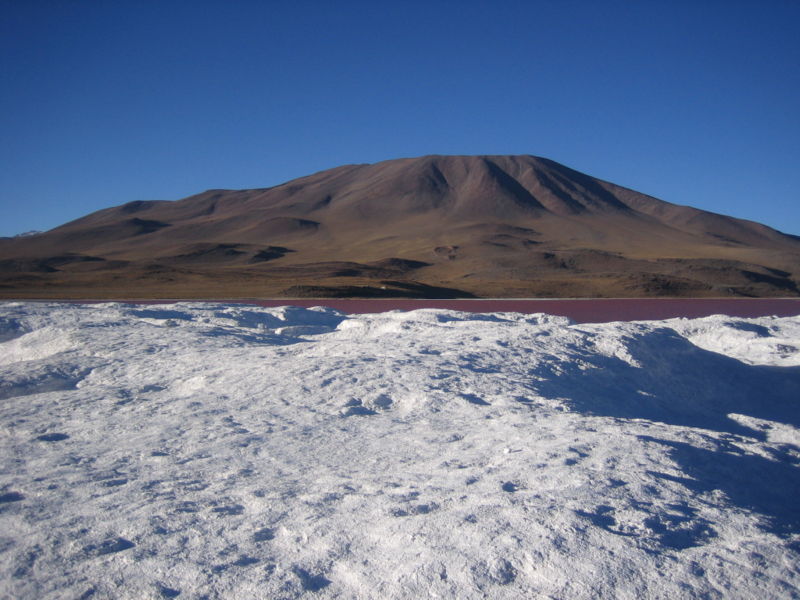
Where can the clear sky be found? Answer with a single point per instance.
(104, 102)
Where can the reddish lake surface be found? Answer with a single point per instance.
(582, 311)
(591, 310)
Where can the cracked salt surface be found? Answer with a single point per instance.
(227, 451)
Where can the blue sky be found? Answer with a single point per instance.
(104, 102)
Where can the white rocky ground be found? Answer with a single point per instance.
(222, 451)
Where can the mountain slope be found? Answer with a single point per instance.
(435, 225)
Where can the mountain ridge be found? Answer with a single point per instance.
(484, 225)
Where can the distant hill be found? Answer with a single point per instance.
(435, 226)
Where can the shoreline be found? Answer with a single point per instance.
(581, 310)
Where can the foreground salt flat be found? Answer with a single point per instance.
(228, 451)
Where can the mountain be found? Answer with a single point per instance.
(28, 233)
(435, 226)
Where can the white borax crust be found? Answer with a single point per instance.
(231, 451)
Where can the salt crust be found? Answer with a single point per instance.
(230, 451)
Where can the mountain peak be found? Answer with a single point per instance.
(487, 225)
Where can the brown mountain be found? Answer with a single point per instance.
(436, 226)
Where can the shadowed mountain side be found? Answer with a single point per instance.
(491, 226)
(386, 289)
